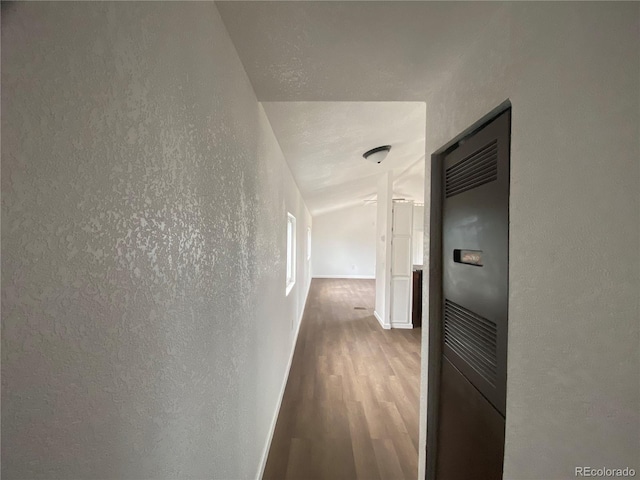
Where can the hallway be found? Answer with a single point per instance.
(174, 174)
(350, 409)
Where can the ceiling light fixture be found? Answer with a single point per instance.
(377, 154)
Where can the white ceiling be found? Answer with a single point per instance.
(351, 51)
(326, 73)
(323, 143)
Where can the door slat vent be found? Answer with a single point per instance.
(473, 338)
(472, 171)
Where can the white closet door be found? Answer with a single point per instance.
(401, 265)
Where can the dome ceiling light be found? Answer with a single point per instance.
(378, 154)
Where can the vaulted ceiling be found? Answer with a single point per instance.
(324, 142)
(329, 74)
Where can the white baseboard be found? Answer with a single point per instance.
(402, 325)
(272, 428)
(304, 304)
(386, 326)
(355, 277)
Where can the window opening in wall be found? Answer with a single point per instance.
(291, 252)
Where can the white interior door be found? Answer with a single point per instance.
(401, 264)
(418, 234)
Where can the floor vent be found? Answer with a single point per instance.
(477, 169)
(359, 308)
(473, 338)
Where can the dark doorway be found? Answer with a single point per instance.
(468, 320)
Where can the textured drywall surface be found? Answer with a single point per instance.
(571, 71)
(145, 328)
(344, 243)
(383, 247)
(351, 50)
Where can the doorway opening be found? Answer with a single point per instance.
(353, 391)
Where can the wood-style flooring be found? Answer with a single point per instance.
(350, 408)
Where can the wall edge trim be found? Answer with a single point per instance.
(355, 277)
(386, 326)
(402, 325)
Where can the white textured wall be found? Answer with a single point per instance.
(571, 71)
(344, 243)
(383, 248)
(145, 330)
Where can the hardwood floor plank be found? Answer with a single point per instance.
(387, 459)
(363, 453)
(394, 420)
(404, 448)
(298, 465)
(350, 409)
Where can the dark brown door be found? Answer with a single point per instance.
(475, 266)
